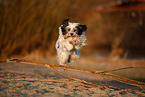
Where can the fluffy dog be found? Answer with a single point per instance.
(71, 39)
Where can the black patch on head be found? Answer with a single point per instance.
(81, 29)
(64, 23)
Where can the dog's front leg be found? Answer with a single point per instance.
(78, 44)
(77, 47)
(67, 45)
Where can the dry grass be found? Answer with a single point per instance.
(29, 25)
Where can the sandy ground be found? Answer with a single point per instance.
(19, 79)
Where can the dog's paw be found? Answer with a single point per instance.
(68, 45)
(73, 57)
(77, 47)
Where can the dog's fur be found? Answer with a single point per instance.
(71, 39)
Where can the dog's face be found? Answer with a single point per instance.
(72, 29)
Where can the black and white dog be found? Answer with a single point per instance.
(71, 39)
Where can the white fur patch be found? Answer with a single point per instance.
(69, 46)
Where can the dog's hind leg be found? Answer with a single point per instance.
(63, 58)
(74, 56)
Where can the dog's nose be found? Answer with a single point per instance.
(71, 34)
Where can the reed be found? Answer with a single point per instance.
(28, 25)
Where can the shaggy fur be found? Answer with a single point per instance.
(71, 39)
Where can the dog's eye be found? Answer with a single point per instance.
(68, 29)
(75, 30)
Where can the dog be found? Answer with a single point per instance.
(71, 39)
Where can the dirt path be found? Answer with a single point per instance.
(19, 79)
(28, 84)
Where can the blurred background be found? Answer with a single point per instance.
(116, 28)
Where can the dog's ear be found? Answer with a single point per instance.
(65, 22)
(82, 27)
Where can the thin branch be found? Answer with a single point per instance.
(70, 77)
(122, 78)
(120, 69)
(104, 80)
(130, 83)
